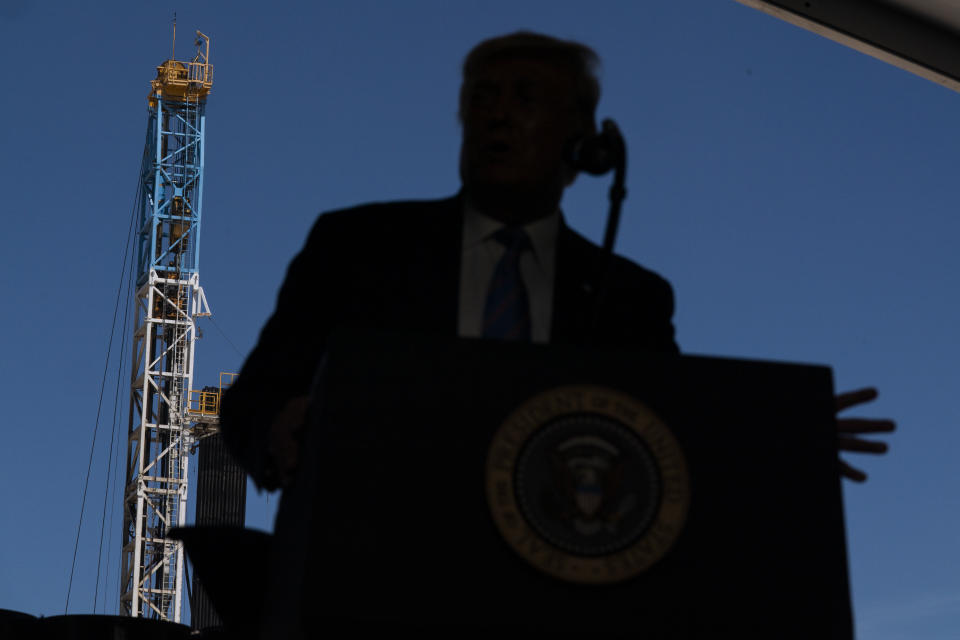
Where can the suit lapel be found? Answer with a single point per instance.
(437, 271)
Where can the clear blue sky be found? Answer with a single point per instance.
(800, 196)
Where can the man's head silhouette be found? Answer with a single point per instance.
(525, 97)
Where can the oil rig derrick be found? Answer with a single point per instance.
(168, 299)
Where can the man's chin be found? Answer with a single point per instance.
(523, 202)
(497, 191)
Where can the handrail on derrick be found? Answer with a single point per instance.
(188, 80)
(207, 403)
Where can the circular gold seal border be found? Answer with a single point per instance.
(523, 422)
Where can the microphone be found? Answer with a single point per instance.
(596, 154)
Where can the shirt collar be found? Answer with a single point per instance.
(477, 228)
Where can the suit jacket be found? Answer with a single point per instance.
(396, 266)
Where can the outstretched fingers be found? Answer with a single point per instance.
(849, 472)
(849, 428)
(855, 397)
(846, 443)
(865, 425)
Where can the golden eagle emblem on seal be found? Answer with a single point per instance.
(587, 484)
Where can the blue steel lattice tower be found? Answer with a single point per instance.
(168, 298)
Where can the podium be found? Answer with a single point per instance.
(399, 520)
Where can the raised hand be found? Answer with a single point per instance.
(848, 430)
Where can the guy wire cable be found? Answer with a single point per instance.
(115, 471)
(113, 433)
(103, 382)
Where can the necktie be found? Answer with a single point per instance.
(506, 314)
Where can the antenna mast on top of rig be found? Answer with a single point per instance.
(168, 298)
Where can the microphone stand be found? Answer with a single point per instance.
(618, 157)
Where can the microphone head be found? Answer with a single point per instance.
(590, 155)
(595, 154)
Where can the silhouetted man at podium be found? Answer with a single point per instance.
(495, 261)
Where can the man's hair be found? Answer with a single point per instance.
(579, 61)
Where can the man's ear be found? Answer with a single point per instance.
(586, 130)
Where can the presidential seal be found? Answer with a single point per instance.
(587, 484)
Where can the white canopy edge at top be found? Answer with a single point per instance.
(919, 36)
